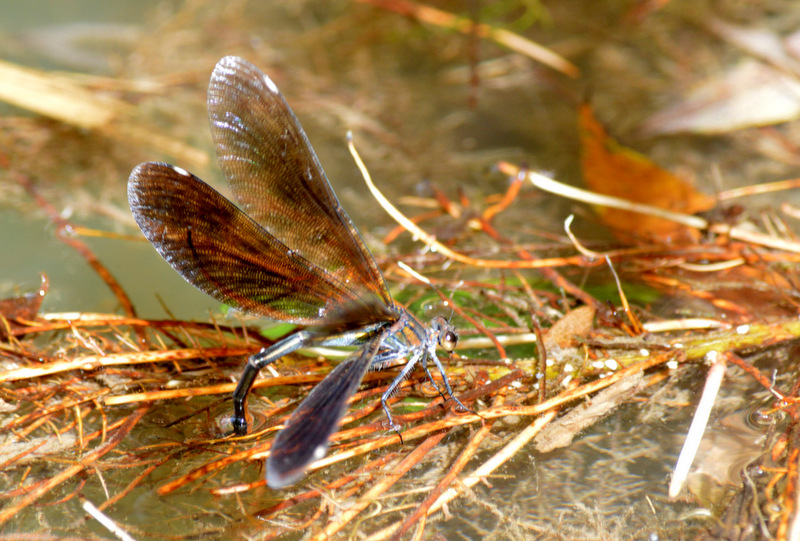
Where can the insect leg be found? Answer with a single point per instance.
(407, 369)
(254, 365)
(271, 354)
(449, 389)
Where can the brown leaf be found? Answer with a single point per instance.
(576, 323)
(611, 169)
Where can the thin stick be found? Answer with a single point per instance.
(488, 467)
(696, 222)
(86, 462)
(699, 422)
(93, 362)
(107, 522)
(635, 323)
(766, 187)
(541, 373)
(505, 38)
(461, 462)
(411, 460)
(430, 240)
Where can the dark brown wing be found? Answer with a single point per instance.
(277, 179)
(305, 437)
(220, 250)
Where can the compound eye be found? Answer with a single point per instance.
(448, 341)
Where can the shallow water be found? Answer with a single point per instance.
(403, 89)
